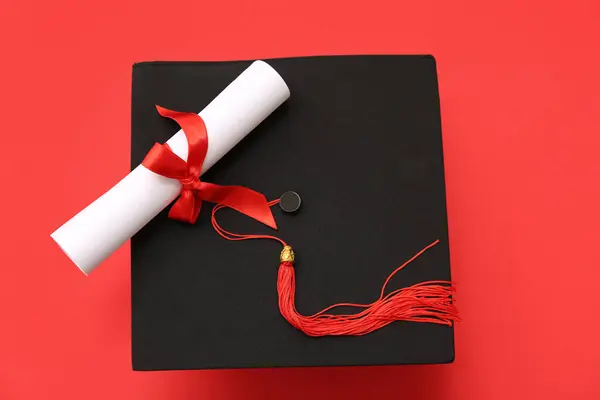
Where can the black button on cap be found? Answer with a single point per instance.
(290, 202)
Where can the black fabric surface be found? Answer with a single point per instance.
(360, 141)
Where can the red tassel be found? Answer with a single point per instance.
(424, 302)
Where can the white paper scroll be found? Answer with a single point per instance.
(97, 231)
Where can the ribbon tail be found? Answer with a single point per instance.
(186, 208)
(241, 199)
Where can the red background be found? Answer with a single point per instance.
(520, 97)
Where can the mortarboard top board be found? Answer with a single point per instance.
(360, 141)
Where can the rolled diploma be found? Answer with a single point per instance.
(96, 232)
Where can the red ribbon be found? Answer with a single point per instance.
(161, 160)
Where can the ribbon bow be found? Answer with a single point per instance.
(161, 160)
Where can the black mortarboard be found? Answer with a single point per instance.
(360, 141)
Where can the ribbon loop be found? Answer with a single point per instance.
(161, 160)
